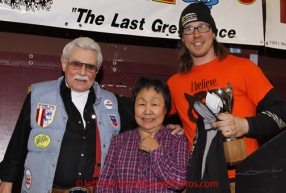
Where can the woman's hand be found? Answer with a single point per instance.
(148, 144)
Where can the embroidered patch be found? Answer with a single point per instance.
(113, 120)
(28, 179)
(108, 104)
(45, 114)
(42, 141)
(188, 18)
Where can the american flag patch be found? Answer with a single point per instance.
(45, 114)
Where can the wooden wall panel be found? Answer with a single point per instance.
(14, 83)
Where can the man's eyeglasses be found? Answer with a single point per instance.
(201, 29)
(78, 65)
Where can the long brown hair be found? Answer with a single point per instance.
(185, 60)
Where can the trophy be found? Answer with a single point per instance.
(226, 97)
(234, 148)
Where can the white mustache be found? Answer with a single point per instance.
(79, 77)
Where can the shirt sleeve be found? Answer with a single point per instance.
(255, 84)
(106, 180)
(171, 168)
(12, 166)
(271, 116)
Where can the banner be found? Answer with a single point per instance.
(238, 21)
(275, 33)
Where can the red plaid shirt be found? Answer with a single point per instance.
(129, 169)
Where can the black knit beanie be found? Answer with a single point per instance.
(196, 12)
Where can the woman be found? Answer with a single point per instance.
(149, 158)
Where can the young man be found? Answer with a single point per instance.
(204, 64)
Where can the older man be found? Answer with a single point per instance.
(65, 127)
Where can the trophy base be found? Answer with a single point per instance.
(235, 151)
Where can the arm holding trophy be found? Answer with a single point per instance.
(230, 125)
(220, 102)
(270, 119)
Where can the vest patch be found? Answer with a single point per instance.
(42, 141)
(28, 178)
(108, 104)
(45, 114)
(113, 120)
